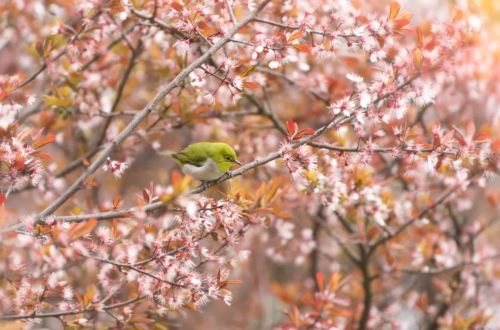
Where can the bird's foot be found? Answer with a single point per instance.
(205, 184)
(226, 176)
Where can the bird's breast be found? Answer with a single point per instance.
(206, 172)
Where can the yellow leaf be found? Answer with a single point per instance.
(312, 177)
(418, 58)
(294, 36)
(52, 100)
(239, 12)
(247, 71)
(89, 295)
(64, 91)
(140, 319)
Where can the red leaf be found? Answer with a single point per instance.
(145, 195)
(251, 85)
(3, 198)
(291, 127)
(320, 279)
(436, 139)
(304, 132)
(19, 162)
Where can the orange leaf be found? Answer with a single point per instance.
(294, 315)
(270, 191)
(402, 21)
(177, 6)
(116, 202)
(393, 13)
(418, 58)
(3, 95)
(495, 145)
(83, 228)
(492, 199)
(206, 29)
(176, 178)
(251, 85)
(44, 140)
(420, 37)
(44, 156)
(350, 61)
(304, 48)
(334, 283)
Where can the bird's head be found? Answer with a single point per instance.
(225, 156)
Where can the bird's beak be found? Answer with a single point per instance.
(237, 162)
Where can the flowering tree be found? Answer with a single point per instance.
(367, 137)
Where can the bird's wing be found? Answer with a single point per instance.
(191, 157)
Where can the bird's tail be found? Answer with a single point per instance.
(168, 153)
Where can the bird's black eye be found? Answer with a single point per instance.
(228, 158)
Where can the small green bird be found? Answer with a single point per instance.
(206, 161)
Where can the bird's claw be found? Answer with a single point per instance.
(207, 184)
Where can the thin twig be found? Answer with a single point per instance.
(74, 312)
(144, 113)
